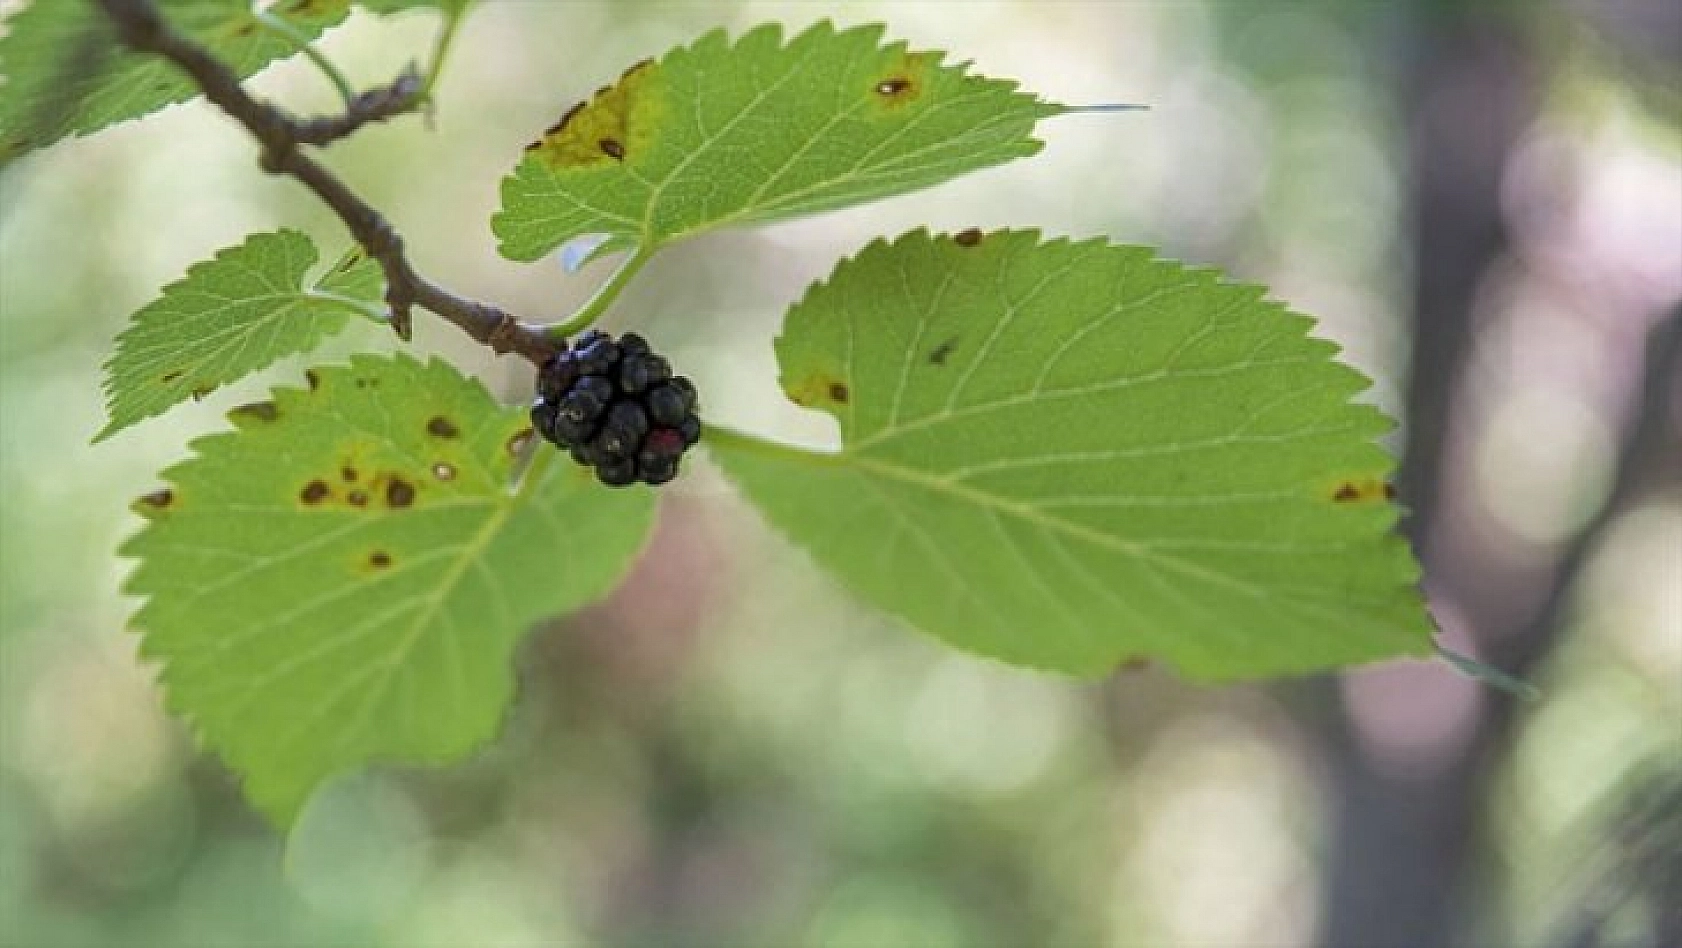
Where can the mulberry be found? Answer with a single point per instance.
(616, 407)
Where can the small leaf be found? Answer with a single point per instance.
(230, 316)
(66, 74)
(717, 133)
(345, 578)
(1067, 455)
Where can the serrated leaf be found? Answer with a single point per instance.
(1069, 454)
(723, 133)
(230, 316)
(344, 579)
(66, 74)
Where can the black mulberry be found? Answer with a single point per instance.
(615, 406)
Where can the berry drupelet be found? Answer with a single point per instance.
(615, 406)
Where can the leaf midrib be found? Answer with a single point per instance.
(466, 559)
(1035, 517)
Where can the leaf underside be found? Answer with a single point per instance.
(721, 133)
(1067, 455)
(66, 74)
(344, 579)
(230, 316)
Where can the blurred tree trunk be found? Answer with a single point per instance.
(1406, 847)
(1403, 846)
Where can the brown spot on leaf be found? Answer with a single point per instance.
(357, 498)
(153, 506)
(314, 492)
(171, 376)
(904, 81)
(367, 383)
(1359, 490)
(256, 411)
(313, 380)
(441, 427)
(565, 119)
(968, 237)
(200, 391)
(557, 128)
(612, 148)
(942, 352)
(399, 493)
(519, 441)
(816, 389)
(348, 473)
(158, 499)
(379, 559)
(443, 471)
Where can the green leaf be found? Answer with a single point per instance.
(65, 73)
(345, 579)
(230, 316)
(717, 134)
(1066, 455)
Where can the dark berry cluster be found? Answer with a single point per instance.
(616, 406)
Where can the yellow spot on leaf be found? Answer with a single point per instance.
(617, 125)
(1364, 489)
(819, 389)
(905, 81)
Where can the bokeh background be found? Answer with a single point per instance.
(1481, 201)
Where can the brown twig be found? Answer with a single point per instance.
(142, 29)
(402, 95)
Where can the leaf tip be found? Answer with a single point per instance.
(1488, 674)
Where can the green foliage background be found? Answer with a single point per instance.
(731, 750)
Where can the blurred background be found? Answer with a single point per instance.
(1481, 201)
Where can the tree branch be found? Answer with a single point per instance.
(142, 29)
(403, 94)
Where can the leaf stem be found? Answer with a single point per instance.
(453, 15)
(724, 435)
(302, 43)
(1488, 674)
(598, 304)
